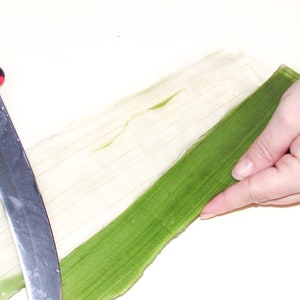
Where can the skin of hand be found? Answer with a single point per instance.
(269, 172)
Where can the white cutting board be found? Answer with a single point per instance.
(64, 59)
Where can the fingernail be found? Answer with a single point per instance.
(243, 169)
(205, 216)
(208, 211)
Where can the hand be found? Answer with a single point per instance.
(269, 172)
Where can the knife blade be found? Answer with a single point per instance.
(27, 216)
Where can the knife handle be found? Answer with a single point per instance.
(2, 77)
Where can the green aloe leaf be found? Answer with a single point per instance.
(110, 262)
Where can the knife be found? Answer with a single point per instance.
(27, 216)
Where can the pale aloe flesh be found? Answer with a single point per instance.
(128, 145)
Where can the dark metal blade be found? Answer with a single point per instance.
(27, 216)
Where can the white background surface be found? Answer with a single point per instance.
(63, 59)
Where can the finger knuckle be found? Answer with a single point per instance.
(263, 151)
(256, 195)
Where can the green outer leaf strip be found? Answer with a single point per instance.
(10, 286)
(111, 261)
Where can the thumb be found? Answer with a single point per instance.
(276, 138)
(278, 185)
